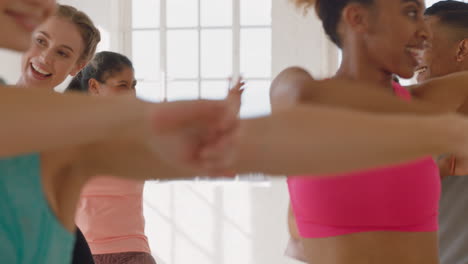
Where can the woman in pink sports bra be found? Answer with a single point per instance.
(388, 214)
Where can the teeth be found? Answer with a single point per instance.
(415, 51)
(421, 69)
(39, 70)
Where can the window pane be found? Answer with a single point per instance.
(431, 2)
(145, 13)
(256, 52)
(216, 53)
(157, 202)
(195, 237)
(214, 89)
(182, 54)
(256, 99)
(216, 12)
(150, 91)
(145, 54)
(182, 13)
(182, 90)
(255, 12)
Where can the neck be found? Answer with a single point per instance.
(358, 66)
(464, 66)
(20, 82)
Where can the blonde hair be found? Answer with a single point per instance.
(89, 33)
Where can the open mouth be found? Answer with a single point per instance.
(416, 53)
(41, 73)
(420, 69)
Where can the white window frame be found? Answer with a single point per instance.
(126, 13)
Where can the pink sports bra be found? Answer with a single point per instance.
(401, 198)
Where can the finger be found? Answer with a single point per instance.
(237, 89)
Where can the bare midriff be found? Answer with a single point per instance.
(374, 248)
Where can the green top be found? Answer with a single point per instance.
(29, 231)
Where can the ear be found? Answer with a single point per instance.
(93, 86)
(78, 67)
(462, 51)
(357, 17)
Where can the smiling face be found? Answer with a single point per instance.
(19, 18)
(440, 54)
(115, 83)
(55, 53)
(394, 36)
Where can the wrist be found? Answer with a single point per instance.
(248, 148)
(133, 118)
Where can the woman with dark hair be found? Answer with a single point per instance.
(387, 214)
(110, 212)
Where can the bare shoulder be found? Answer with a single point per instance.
(289, 77)
(288, 87)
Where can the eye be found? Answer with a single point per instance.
(62, 54)
(41, 42)
(413, 13)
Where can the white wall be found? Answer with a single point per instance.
(299, 40)
(217, 223)
(106, 15)
(10, 65)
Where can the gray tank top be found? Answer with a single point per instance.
(453, 221)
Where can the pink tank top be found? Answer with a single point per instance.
(401, 198)
(110, 215)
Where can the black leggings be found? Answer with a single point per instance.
(81, 252)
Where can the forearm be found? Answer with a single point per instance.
(364, 96)
(128, 159)
(449, 91)
(35, 120)
(318, 140)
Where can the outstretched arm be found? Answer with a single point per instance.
(35, 120)
(307, 139)
(449, 92)
(297, 86)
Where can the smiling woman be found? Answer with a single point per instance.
(324, 215)
(62, 46)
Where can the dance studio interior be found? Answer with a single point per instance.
(187, 50)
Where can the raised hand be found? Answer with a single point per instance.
(183, 130)
(218, 154)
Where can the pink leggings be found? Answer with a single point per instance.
(124, 258)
